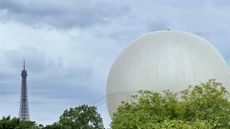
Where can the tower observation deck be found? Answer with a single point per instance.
(24, 106)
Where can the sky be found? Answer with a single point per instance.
(69, 46)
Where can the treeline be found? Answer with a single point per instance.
(82, 117)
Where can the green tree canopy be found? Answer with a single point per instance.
(16, 123)
(205, 106)
(54, 126)
(82, 117)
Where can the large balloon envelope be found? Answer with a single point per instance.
(164, 60)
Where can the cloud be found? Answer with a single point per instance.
(46, 74)
(62, 14)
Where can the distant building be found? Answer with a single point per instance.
(24, 106)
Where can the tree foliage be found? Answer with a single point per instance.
(82, 117)
(54, 126)
(179, 124)
(205, 106)
(16, 123)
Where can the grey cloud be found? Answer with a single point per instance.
(9, 88)
(36, 59)
(60, 14)
(127, 34)
(6, 76)
(47, 78)
(49, 83)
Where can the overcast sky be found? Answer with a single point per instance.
(70, 45)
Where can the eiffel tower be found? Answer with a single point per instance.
(24, 107)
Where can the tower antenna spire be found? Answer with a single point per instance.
(24, 64)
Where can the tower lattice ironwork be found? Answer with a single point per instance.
(24, 106)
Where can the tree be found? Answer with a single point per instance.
(208, 101)
(180, 124)
(54, 126)
(82, 117)
(16, 123)
(204, 106)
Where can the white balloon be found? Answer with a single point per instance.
(164, 60)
